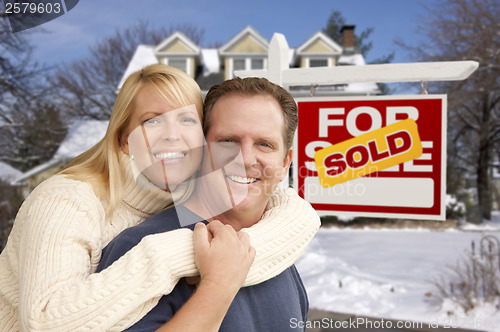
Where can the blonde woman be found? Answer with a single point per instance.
(47, 279)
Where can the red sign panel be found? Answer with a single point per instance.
(414, 189)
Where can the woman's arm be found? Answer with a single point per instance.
(281, 236)
(58, 234)
(275, 234)
(58, 241)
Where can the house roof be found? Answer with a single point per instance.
(206, 82)
(353, 59)
(82, 135)
(357, 88)
(35, 170)
(144, 55)
(319, 38)
(8, 173)
(210, 70)
(188, 46)
(246, 32)
(210, 60)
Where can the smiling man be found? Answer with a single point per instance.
(252, 115)
(249, 126)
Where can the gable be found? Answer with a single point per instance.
(176, 47)
(247, 45)
(247, 41)
(318, 47)
(319, 43)
(177, 43)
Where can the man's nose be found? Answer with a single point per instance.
(249, 155)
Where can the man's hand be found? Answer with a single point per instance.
(222, 255)
(223, 258)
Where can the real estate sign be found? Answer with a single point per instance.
(382, 156)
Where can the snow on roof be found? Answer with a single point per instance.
(8, 173)
(144, 55)
(81, 136)
(369, 87)
(35, 170)
(357, 60)
(353, 59)
(210, 60)
(291, 56)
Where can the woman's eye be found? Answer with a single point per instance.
(151, 121)
(188, 120)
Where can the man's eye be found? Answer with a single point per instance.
(266, 145)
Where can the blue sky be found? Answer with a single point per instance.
(69, 36)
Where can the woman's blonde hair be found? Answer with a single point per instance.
(100, 165)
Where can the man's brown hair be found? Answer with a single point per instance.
(253, 86)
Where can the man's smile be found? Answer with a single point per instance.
(242, 180)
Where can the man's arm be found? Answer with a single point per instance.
(223, 261)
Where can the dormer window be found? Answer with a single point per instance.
(257, 63)
(245, 51)
(318, 51)
(318, 62)
(247, 63)
(178, 63)
(239, 64)
(180, 52)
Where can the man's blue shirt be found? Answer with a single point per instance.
(268, 306)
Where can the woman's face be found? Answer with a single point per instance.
(166, 144)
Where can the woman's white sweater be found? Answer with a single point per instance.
(47, 279)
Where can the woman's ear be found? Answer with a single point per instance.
(124, 143)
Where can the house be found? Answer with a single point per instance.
(81, 136)
(248, 50)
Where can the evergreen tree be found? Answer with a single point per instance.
(361, 42)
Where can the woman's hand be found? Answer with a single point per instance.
(222, 255)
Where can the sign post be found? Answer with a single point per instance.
(371, 177)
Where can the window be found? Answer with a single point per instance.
(257, 63)
(239, 64)
(178, 63)
(249, 63)
(318, 62)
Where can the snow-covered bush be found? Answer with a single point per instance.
(454, 208)
(474, 280)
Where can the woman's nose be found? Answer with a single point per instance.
(170, 131)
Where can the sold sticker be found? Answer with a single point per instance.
(368, 153)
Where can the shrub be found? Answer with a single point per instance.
(474, 279)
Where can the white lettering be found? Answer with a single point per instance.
(392, 112)
(351, 125)
(325, 122)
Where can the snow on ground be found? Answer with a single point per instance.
(386, 273)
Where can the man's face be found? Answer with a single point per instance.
(254, 125)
